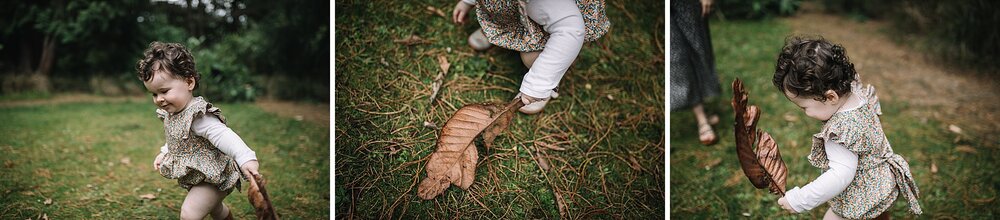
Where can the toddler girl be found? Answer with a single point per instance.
(549, 33)
(862, 176)
(201, 152)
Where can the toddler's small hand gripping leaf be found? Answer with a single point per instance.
(763, 164)
(454, 161)
(258, 197)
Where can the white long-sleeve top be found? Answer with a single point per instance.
(843, 166)
(211, 128)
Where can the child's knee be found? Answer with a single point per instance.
(188, 212)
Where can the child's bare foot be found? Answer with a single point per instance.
(478, 41)
(532, 105)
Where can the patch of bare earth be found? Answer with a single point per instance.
(315, 113)
(903, 74)
(71, 98)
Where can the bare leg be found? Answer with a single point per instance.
(830, 216)
(202, 199)
(705, 133)
(529, 58)
(220, 211)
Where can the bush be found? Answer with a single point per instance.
(756, 9)
(224, 77)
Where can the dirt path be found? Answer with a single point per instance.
(315, 113)
(903, 74)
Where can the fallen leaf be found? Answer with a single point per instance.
(542, 162)
(126, 161)
(430, 125)
(711, 163)
(632, 162)
(984, 200)
(966, 149)
(757, 151)
(790, 117)
(149, 196)
(43, 173)
(411, 40)
(48, 201)
(8, 164)
(454, 161)
(437, 11)
(955, 128)
(44, 216)
(550, 146)
(438, 80)
(734, 179)
(934, 167)
(560, 202)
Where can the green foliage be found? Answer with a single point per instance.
(756, 9)
(224, 76)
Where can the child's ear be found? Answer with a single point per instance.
(190, 83)
(831, 96)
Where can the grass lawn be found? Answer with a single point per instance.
(609, 119)
(94, 160)
(707, 183)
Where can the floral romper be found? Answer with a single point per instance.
(882, 175)
(506, 23)
(193, 159)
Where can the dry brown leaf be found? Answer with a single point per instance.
(757, 151)
(438, 80)
(966, 149)
(257, 194)
(955, 128)
(790, 117)
(542, 162)
(430, 125)
(411, 40)
(149, 196)
(550, 146)
(44, 216)
(711, 163)
(48, 201)
(454, 161)
(43, 173)
(437, 11)
(632, 162)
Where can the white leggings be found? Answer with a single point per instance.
(564, 23)
(204, 199)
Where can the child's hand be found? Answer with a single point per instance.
(461, 10)
(784, 205)
(157, 161)
(706, 7)
(251, 167)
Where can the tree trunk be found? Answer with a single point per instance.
(40, 78)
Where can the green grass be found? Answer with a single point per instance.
(382, 102)
(706, 181)
(75, 154)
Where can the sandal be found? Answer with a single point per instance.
(704, 129)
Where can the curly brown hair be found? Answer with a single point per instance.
(810, 66)
(172, 57)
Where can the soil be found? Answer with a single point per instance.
(900, 73)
